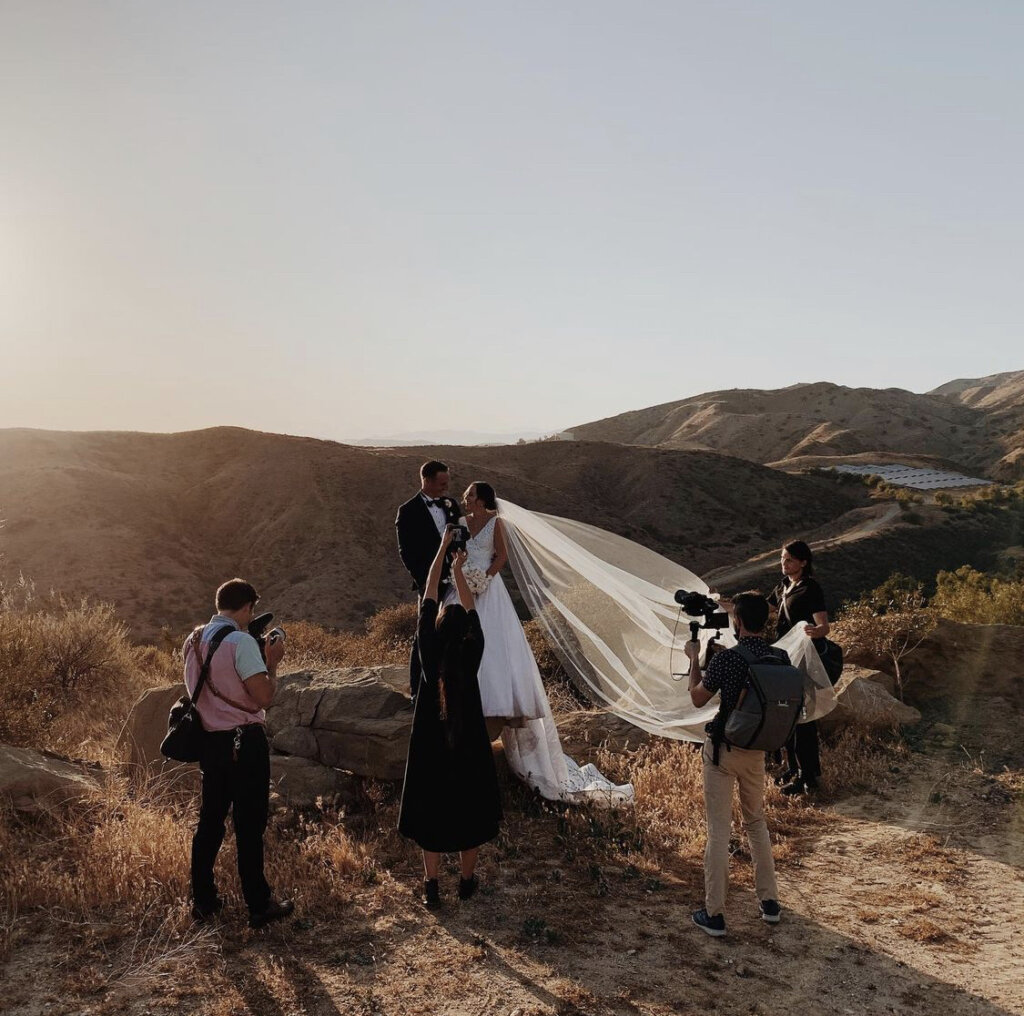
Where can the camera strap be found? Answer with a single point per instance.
(218, 637)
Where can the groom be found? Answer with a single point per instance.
(420, 523)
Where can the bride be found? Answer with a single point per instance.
(512, 693)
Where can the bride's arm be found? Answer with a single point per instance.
(500, 551)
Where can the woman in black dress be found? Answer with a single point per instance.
(800, 600)
(450, 800)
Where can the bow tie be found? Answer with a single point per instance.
(433, 504)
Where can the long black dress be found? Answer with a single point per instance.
(450, 799)
(798, 603)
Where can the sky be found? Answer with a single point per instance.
(343, 219)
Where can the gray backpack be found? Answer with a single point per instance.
(769, 706)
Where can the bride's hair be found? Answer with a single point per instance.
(485, 492)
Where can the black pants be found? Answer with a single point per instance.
(243, 786)
(802, 751)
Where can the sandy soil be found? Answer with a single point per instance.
(908, 899)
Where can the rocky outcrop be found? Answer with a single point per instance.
(862, 701)
(40, 781)
(349, 719)
(301, 782)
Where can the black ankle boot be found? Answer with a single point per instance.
(468, 886)
(431, 894)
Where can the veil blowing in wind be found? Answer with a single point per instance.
(607, 606)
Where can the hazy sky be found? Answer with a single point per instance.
(342, 219)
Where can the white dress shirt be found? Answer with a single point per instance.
(436, 513)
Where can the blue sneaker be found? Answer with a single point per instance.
(714, 926)
(771, 912)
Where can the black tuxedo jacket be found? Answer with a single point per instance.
(418, 538)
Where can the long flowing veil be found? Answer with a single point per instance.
(607, 606)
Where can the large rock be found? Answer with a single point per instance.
(139, 741)
(299, 782)
(863, 702)
(39, 781)
(961, 660)
(349, 719)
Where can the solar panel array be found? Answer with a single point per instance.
(911, 476)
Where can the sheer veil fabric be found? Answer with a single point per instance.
(607, 606)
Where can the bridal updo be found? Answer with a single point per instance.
(485, 492)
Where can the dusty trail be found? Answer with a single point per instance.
(867, 522)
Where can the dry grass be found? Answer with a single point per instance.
(386, 640)
(69, 673)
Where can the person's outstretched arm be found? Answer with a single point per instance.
(434, 575)
(461, 585)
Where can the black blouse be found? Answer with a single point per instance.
(797, 603)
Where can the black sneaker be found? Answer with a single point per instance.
(794, 789)
(431, 894)
(206, 911)
(714, 926)
(468, 886)
(771, 912)
(275, 910)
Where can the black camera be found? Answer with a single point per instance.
(258, 630)
(698, 605)
(460, 535)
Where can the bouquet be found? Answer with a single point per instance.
(476, 579)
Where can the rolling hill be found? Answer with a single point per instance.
(153, 522)
(971, 425)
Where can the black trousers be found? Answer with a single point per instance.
(241, 785)
(802, 751)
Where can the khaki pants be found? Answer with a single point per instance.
(735, 765)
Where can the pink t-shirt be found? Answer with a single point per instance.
(236, 660)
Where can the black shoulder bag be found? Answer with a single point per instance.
(184, 739)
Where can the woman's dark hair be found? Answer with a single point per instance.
(800, 550)
(485, 492)
(452, 628)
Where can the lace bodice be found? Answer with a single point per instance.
(480, 548)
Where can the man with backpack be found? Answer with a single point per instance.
(761, 699)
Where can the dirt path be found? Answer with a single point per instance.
(866, 522)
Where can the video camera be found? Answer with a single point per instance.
(258, 630)
(698, 605)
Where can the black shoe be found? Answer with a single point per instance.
(783, 778)
(795, 789)
(431, 894)
(204, 911)
(468, 886)
(771, 912)
(275, 911)
(714, 926)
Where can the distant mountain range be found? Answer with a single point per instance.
(972, 425)
(448, 437)
(153, 522)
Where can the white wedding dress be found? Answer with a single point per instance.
(511, 688)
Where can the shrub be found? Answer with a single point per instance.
(68, 673)
(977, 598)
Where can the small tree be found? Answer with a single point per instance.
(892, 631)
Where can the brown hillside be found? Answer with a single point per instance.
(973, 426)
(152, 522)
